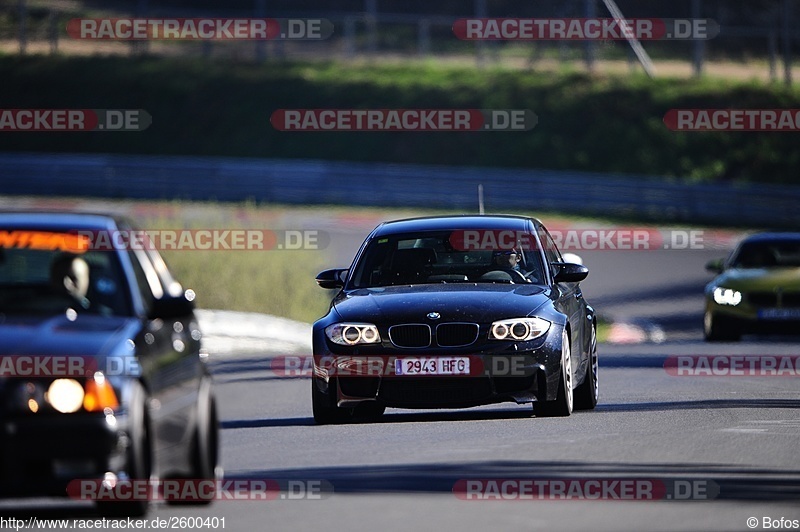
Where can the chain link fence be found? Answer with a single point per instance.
(755, 41)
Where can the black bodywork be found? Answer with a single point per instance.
(451, 306)
(141, 330)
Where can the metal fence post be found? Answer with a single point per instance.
(140, 47)
(52, 30)
(23, 27)
(371, 7)
(698, 46)
(480, 47)
(772, 45)
(349, 37)
(260, 10)
(787, 44)
(424, 37)
(589, 45)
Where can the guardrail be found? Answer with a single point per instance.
(394, 185)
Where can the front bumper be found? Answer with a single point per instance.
(42, 454)
(438, 392)
(520, 372)
(750, 319)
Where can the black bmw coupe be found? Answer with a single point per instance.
(455, 312)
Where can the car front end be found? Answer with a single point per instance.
(757, 289)
(437, 346)
(64, 402)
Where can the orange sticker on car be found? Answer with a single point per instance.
(43, 240)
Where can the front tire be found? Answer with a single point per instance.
(587, 393)
(562, 406)
(139, 456)
(719, 329)
(324, 408)
(205, 446)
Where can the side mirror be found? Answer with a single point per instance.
(569, 272)
(170, 307)
(715, 266)
(332, 278)
(572, 257)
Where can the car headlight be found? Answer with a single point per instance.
(519, 329)
(353, 333)
(65, 395)
(727, 296)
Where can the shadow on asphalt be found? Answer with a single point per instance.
(713, 404)
(523, 412)
(724, 482)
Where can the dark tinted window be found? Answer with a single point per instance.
(432, 258)
(50, 281)
(768, 254)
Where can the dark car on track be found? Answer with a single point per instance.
(455, 312)
(757, 289)
(102, 378)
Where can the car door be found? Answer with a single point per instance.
(569, 301)
(169, 360)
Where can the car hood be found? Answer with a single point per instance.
(454, 302)
(758, 279)
(87, 335)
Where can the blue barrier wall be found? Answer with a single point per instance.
(375, 184)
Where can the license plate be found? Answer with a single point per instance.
(779, 314)
(432, 366)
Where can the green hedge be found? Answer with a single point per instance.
(608, 124)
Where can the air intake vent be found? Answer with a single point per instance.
(410, 335)
(456, 334)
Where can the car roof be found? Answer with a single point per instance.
(455, 222)
(773, 236)
(58, 220)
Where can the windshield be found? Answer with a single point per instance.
(431, 258)
(768, 254)
(49, 281)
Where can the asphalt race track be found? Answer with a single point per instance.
(732, 437)
(725, 447)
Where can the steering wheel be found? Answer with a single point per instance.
(517, 276)
(514, 276)
(531, 277)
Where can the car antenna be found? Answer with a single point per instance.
(480, 198)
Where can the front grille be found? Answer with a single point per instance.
(456, 334)
(410, 335)
(791, 300)
(434, 391)
(763, 299)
